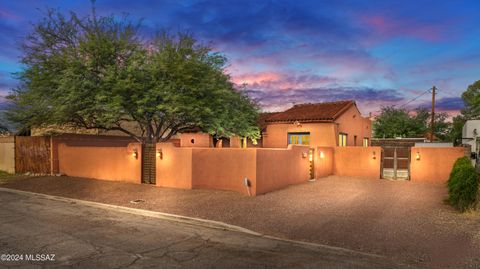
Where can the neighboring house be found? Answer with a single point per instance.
(321, 124)
(471, 135)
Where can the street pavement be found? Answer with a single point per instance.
(41, 232)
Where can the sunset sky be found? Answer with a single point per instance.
(375, 52)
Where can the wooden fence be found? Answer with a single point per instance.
(32, 154)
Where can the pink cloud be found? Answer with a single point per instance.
(8, 15)
(391, 27)
(281, 80)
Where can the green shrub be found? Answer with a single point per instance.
(457, 166)
(462, 184)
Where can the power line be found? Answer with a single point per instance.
(409, 101)
(415, 98)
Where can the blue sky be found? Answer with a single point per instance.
(375, 52)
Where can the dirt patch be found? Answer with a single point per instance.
(407, 221)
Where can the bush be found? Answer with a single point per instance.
(462, 184)
(457, 166)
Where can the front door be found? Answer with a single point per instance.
(396, 163)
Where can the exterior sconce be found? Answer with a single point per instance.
(304, 155)
(135, 154)
(417, 156)
(160, 154)
(374, 155)
(322, 155)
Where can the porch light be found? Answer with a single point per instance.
(322, 155)
(135, 154)
(374, 155)
(160, 154)
(417, 156)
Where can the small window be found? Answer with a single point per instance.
(366, 142)
(299, 138)
(342, 140)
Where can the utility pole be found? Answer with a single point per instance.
(432, 125)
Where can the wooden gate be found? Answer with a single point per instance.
(149, 163)
(396, 163)
(32, 154)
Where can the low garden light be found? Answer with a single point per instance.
(417, 156)
(322, 155)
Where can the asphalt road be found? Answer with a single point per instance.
(47, 233)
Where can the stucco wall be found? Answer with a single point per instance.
(224, 169)
(435, 164)
(174, 168)
(108, 163)
(7, 154)
(324, 166)
(352, 123)
(278, 168)
(357, 162)
(196, 140)
(321, 134)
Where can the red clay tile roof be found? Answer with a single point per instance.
(319, 112)
(262, 118)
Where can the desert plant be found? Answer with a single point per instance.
(463, 184)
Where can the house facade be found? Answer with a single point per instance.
(318, 125)
(471, 137)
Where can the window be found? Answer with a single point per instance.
(342, 140)
(299, 138)
(365, 142)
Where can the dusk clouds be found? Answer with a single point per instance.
(378, 53)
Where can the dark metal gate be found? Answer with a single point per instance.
(149, 163)
(396, 163)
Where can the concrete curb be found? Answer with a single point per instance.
(186, 220)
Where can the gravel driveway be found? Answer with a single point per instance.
(406, 221)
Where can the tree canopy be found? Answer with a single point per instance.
(97, 73)
(471, 99)
(399, 122)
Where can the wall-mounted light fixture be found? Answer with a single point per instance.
(160, 154)
(374, 156)
(417, 156)
(322, 155)
(304, 155)
(135, 154)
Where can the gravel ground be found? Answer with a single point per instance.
(406, 221)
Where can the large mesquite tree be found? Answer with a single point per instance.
(95, 72)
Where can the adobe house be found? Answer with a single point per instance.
(322, 124)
